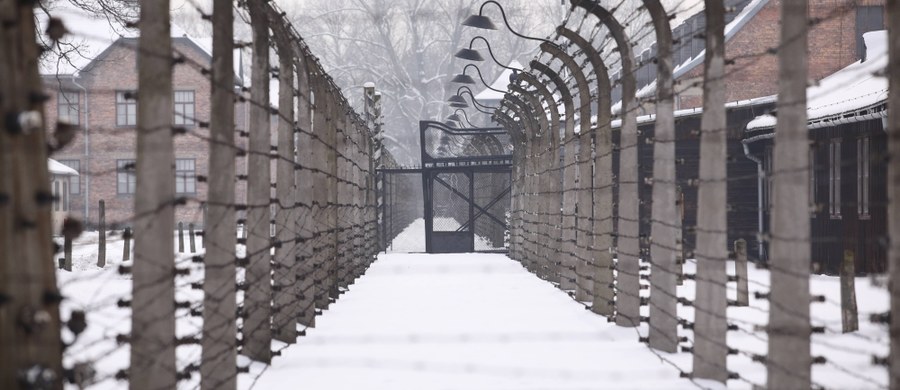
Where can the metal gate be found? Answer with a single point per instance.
(466, 177)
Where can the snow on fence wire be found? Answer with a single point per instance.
(598, 206)
(156, 321)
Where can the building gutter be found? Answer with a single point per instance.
(760, 175)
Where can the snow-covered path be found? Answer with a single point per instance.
(462, 321)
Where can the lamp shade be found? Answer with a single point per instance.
(463, 78)
(459, 105)
(456, 99)
(469, 54)
(479, 21)
(450, 123)
(453, 117)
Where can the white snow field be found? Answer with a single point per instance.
(463, 321)
(470, 321)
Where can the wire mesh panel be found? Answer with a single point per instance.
(450, 202)
(401, 213)
(492, 203)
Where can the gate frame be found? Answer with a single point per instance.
(471, 166)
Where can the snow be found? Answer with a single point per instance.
(412, 238)
(859, 85)
(463, 321)
(501, 83)
(471, 321)
(58, 168)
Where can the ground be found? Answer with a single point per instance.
(470, 321)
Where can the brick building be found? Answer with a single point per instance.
(100, 97)
(753, 31)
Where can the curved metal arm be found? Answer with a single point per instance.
(490, 51)
(465, 116)
(478, 70)
(475, 102)
(506, 21)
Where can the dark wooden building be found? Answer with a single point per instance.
(848, 171)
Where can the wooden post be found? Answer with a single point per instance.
(180, 237)
(153, 361)
(789, 363)
(740, 271)
(893, 183)
(67, 252)
(285, 313)
(318, 157)
(126, 247)
(257, 300)
(192, 246)
(29, 321)
(710, 325)
(101, 248)
(218, 362)
(849, 313)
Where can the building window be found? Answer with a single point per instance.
(185, 176)
(74, 181)
(126, 109)
(834, 178)
(868, 18)
(126, 180)
(184, 108)
(68, 108)
(862, 177)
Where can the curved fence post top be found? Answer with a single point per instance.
(554, 77)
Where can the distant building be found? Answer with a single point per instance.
(61, 177)
(98, 93)
(847, 113)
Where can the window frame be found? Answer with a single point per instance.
(190, 178)
(834, 178)
(130, 108)
(64, 99)
(130, 176)
(184, 119)
(863, 173)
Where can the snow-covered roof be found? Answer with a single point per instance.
(58, 168)
(88, 37)
(617, 123)
(731, 29)
(859, 86)
(501, 83)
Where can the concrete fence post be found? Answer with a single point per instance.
(153, 360)
(789, 362)
(218, 359)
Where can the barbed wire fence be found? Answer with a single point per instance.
(173, 315)
(197, 312)
(567, 178)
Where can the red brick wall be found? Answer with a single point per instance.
(832, 46)
(108, 142)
